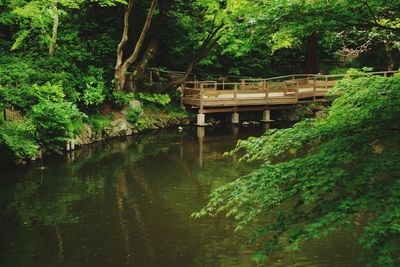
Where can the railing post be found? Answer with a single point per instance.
(315, 88)
(283, 88)
(235, 93)
(326, 82)
(201, 98)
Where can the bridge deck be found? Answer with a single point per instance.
(209, 96)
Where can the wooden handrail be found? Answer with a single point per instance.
(314, 81)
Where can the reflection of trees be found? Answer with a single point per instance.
(127, 202)
(45, 201)
(149, 187)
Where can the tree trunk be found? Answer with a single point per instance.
(119, 76)
(121, 67)
(54, 15)
(208, 44)
(141, 67)
(311, 65)
(148, 56)
(176, 82)
(390, 62)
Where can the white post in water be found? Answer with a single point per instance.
(70, 145)
(266, 116)
(201, 119)
(235, 118)
(201, 132)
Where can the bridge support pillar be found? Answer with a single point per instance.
(201, 119)
(70, 145)
(235, 118)
(266, 116)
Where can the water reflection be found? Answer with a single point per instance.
(128, 203)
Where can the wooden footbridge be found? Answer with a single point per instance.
(258, 94)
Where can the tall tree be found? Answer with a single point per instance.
(54, 15)
(122, 65)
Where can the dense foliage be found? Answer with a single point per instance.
(64, 63)
(19, 139)
(331, 172)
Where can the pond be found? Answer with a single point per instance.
(128, 202)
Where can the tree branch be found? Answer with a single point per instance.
(124, 38)
(133, 57)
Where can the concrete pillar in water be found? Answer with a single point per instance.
(266, 116)
(266, 127)
(201, 132)
(70, 145)
(235, 118)
(201, 119)
(235, 132)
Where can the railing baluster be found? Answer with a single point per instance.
(201, 98)
(235, 93)
(326, 82)
(315, 88)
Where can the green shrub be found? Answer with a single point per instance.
(18, 139)
(122, 98)
(176, 111)
(55, 123)
(94, 92)
(99, 122)
(134, 114)
(24, 97)
(143, 124)
(150, 98)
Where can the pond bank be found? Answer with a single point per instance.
(120, 126)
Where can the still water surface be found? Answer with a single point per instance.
(128, 203)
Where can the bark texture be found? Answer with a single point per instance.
(390, 60)
(54, 15)
(122, 65)
(312, 66)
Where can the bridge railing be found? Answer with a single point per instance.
(288, 86)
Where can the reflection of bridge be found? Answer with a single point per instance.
(257, 94)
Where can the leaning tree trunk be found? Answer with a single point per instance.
(148, 56)
(141, 67)
(390, 62)
(311, 64)
(122, 66)
(54, 15)
(177, 81)
(208, 44)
